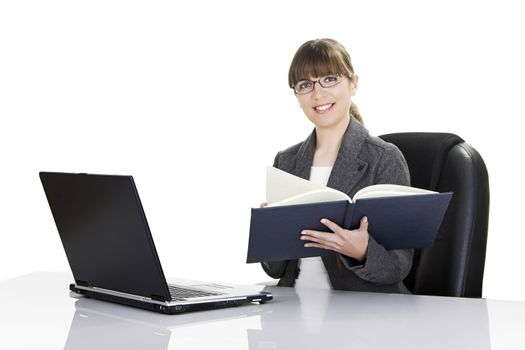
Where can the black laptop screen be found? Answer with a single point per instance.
(105, 233)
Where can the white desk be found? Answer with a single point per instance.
(37, 311)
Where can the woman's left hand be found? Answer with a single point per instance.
(352, 243)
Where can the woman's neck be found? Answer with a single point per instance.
(328, 142)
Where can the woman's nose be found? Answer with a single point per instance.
(318, 90)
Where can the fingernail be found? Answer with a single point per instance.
(365, 219)
(323, 221)
(303, 232)
(307, 245)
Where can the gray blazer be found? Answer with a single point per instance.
(362, 160)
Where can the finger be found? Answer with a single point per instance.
(321, 246)
(317, 234)
(363, 225)
(316, 245)
(326, 239)
(331, 225)
(263, 204)
(314, 236)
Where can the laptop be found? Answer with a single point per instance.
(111, 252)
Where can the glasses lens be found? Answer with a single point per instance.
(304, 86)
(330, 80)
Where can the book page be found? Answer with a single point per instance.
(388, 190)
(316, 196)
(285, 188)
(281, 185)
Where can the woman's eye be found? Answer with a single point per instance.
(330, 79)
(305, 85)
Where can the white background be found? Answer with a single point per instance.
(191, 98)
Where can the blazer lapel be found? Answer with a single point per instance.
(305, 157)
(348, 168)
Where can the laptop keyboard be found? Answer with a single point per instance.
(181, 293)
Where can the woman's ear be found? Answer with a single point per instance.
(353, 84)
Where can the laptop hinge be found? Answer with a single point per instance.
(158, 297)
(82, 283)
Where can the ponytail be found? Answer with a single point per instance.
(354, 111)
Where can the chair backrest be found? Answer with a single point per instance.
(443, 162)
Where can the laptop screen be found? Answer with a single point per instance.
(104, 232)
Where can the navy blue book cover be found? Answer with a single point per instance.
(395, 222)
(275, 231)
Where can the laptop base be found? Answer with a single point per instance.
(171, 309)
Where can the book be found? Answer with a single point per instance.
(399, 217)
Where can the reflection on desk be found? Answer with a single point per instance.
(97, 325)
(373, 321)
(359, 320)
(305, 319)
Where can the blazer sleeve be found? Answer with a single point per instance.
(275, 269)
(383, 266)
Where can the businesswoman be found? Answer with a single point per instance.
(341, 154)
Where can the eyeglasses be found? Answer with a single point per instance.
(305, 86)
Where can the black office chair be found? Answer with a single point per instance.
(443, 162)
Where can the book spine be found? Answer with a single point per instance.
(349, 215)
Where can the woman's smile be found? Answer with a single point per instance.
(324, 107)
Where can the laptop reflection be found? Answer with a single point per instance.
(100, 325)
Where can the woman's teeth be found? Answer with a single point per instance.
(323, 107)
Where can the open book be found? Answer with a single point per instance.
(399, 217)
(283, 188)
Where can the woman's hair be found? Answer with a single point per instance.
(320, 57)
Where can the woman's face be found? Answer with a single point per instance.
(328, 107)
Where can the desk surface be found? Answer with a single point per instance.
(37, 311)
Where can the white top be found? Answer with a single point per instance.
(313, 273)
(320, 174)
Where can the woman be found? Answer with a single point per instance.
(341, 154)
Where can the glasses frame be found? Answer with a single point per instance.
(339, 75)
